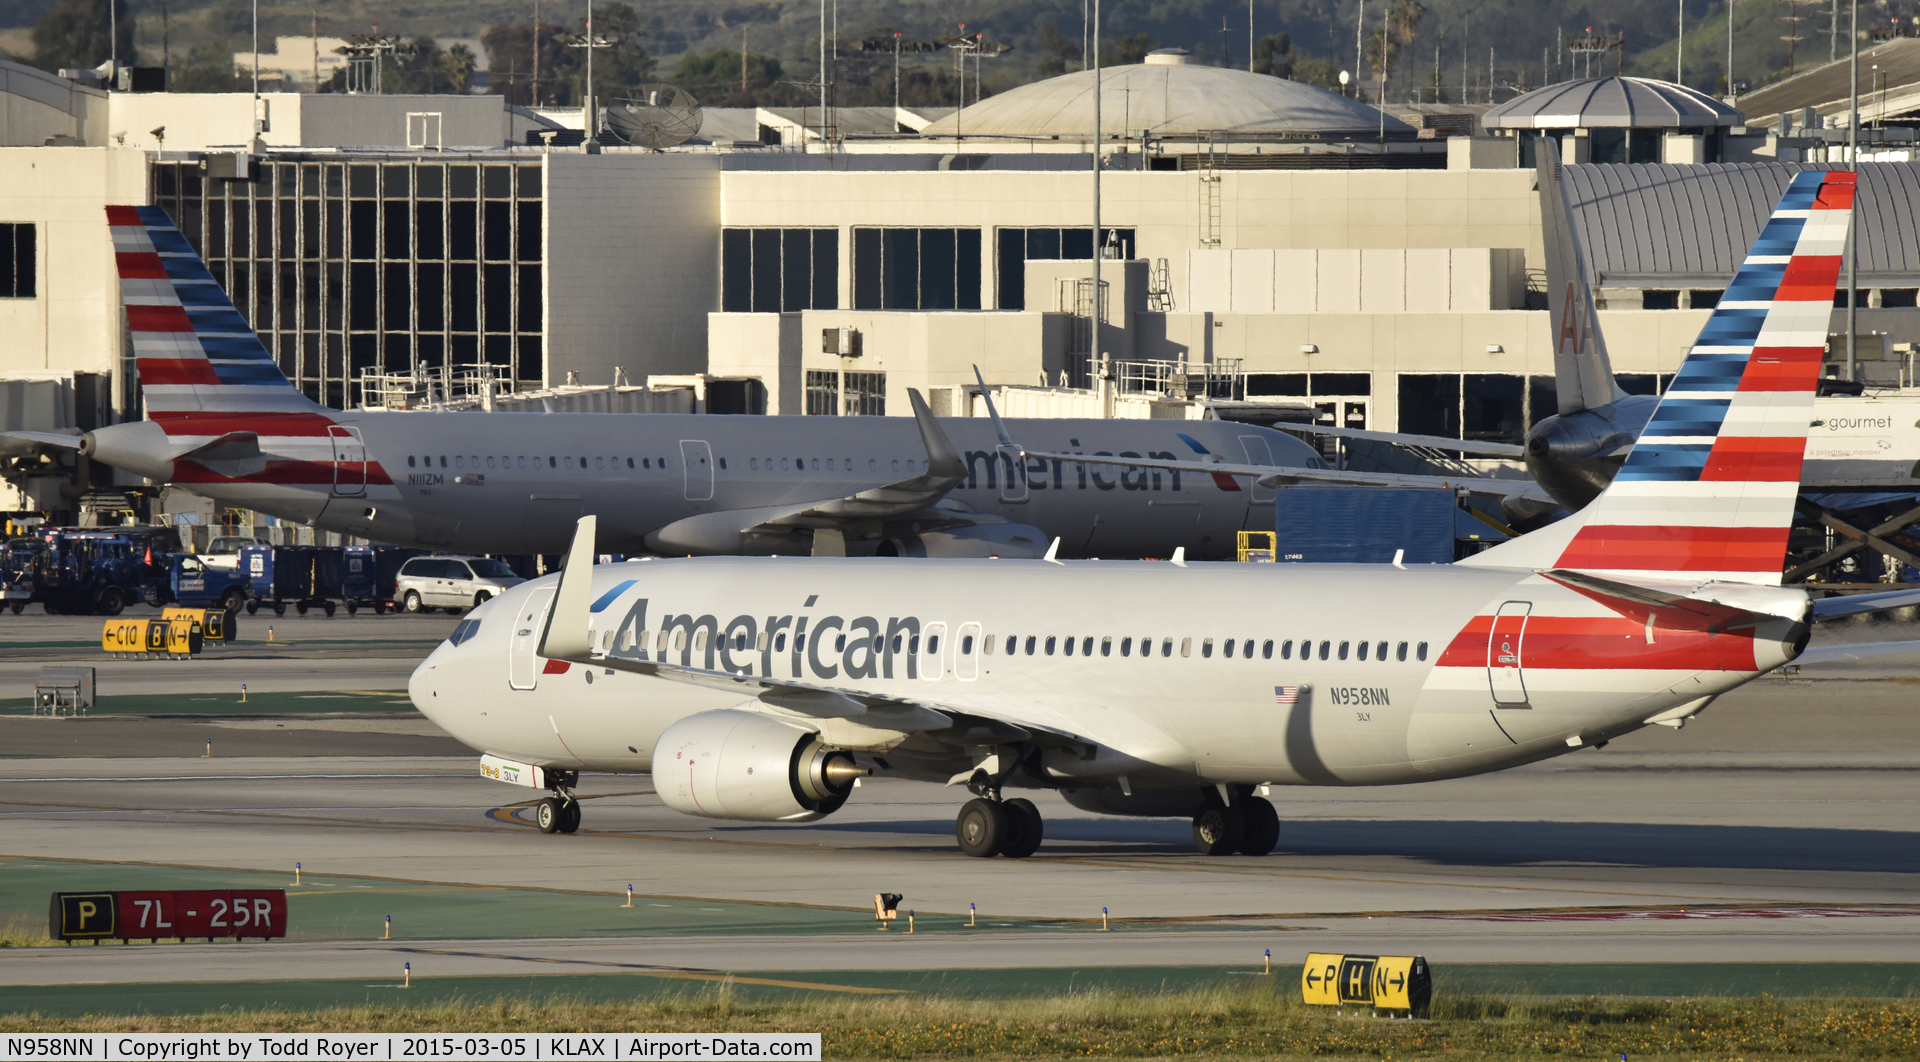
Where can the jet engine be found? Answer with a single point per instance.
(968, 540)
(731, 764)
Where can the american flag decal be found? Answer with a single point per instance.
(1286, 694)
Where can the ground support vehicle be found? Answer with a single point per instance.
(187, 579)
(305, 577)
(96, 570)
(370, 573)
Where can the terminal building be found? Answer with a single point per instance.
(1260, 240)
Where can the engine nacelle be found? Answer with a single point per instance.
(1147, 803)
(739, 765)
(968, 540)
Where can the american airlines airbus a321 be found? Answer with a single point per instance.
(762, 689)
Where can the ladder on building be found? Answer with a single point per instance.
(1160, 288)
(1212, 160)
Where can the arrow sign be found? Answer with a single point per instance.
(1312, 979)
(1399, 980)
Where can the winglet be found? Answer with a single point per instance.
(1053, 551)
(942, 459)
(998, 428)
(567, 636)
(1180, 556)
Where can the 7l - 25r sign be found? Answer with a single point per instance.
(208, 913)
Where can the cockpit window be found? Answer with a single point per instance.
(464, 631)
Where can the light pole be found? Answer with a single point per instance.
(1099, 133)
(1853, 161)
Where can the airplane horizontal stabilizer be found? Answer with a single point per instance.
(26, 442)
(1860, 604)
(1678, 606)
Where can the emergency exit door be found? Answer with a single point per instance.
(1504, 647)
(699, 460)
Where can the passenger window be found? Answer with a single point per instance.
(1050, 641)
(443, 460)
(780, 642)
(1421, 653)
(1286, 649)
(760, 642)
(489, 462)
(629, 462)
(986, 649)
(1106, 646)
(1226, 648)
(913, 644)
(933, 644)
(1247, 649)
(799, 643)
(753, 464)
(1166, 647)
(896, 466)
(410, 464)
(1381, 652)
(723, 464)
(1326, 649)
(1400, 653)
(1343, 650)
(1068, 647)
(872, 465)
(816, 464)
(1206, 649)
(1266, 649)
(829, 464)
(1030, 641)
(1363, 650)
(1086, 647)
(966, 646)
(840, 644)
(1126, 647)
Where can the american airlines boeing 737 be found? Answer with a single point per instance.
(761, 690)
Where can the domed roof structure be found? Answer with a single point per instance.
(1168, 98)
(1612, 103)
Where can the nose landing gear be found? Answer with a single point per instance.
(559, 813)
(988, 827)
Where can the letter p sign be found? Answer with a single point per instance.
(82, 914)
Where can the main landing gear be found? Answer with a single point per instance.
(988, 826)
(1246, 826)
(559, 813)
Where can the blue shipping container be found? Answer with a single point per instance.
(1335, 524)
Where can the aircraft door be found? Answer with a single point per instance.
(1014, 487)
(966, 652)
(933, 658)
(1258, 453)
(699, 460)
(523, 665)
(349, 461)
(1504, 647)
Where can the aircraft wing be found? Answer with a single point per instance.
(1856, 604)
(1833, 654)
(25, 442)
(1271, 475)
(568, 637)
(1432, 442)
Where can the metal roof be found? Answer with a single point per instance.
(1167, 97)
(1669, 225)
(1611, 103)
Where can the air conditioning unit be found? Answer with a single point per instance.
(842, 341)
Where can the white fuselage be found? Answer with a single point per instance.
(1483, 669)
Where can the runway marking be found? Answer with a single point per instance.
(670, 972)
(1689, 913)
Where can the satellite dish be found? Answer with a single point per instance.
(655, 116)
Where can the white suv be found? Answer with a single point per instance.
(450, 582)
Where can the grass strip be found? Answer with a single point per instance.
(1245, 1020)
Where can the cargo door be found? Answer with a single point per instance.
(349, 461)
(1258, 453)
(1504, 647)
(523, 664)
(699, 461)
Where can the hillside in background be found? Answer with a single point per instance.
(1442, 49)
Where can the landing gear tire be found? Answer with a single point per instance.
(1262, 827)
(411, 603)
(550, 815)
(1218, 830)
(981, 828)
(253, 607)
(1024, 828)
(570, 820)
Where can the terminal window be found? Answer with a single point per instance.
(852, 394)
(916, 269)
(19, 260)
(348, 266)
(1486, 407)
(1015, 246)
(779, 270)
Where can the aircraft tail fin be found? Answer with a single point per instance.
(1707, 493)
(196, 355)
(1583, 373)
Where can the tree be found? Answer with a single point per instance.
(627, 64)
(1127, 51)
(1059, 52)
(458, 65)
(74, 33)
(1273, 55)
(211, 70)
(713, 78)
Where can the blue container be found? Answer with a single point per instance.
(1336, 524)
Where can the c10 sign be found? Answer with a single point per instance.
(208, 913)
